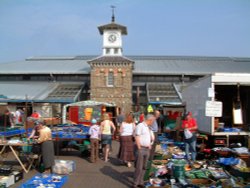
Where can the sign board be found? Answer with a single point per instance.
(150, 109)
(87, 113)
(213, 109)
(211, 92)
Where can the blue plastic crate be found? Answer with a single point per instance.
(38, 179)
(229, 161)
(181, 145)
(231, 130)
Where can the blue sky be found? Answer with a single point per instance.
(163, 27)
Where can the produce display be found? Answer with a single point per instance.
(68, 131)
(170, 167)
(13, 131)
(45, 181)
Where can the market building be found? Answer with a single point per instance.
(131, 82)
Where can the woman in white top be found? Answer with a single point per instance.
(127, 128)
(105, 130)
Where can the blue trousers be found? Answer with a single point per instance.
(190, 146)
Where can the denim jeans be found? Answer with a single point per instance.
(191, 147)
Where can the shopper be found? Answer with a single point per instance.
(120, 118)
(5, 119)
(19, 114)
(106, 135)
(141, 117)
(35, 115)
(190, 127)
(144, 139)
(127, 128)
(47, 147)
(155, 129)
(94, 133)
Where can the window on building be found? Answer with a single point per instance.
(107, 51)
(116, 50)
(26, 77)
(110, 79)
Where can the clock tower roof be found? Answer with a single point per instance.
(113, 26)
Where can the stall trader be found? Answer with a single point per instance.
(47, 146)
(190, 126)
(35, 134)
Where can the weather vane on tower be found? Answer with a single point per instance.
(113, 13)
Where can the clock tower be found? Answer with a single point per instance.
(111, 74)
(112, 37)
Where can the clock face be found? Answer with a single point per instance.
(112, 38)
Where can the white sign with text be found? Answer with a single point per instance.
(213, 109)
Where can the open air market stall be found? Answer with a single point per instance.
(169, 168)
(221, 105)
(82, 112)
(45, 97)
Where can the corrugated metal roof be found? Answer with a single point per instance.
(190, 65)
(47, 66)
(164, 65)
(34, 91)
(113, 26)
(110, 59)
(162, 92)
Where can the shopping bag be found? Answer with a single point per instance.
(187, 134)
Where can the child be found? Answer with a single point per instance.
(94, 133)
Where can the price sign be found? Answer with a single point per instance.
(213, 109)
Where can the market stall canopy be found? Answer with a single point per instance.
(28, 91)
(91, 103)
(87, 103)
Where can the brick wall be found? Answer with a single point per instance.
(121, 92)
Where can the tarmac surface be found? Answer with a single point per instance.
(111, 174)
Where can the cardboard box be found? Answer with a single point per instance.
(18, 175)
(64, 167)
(7, 180)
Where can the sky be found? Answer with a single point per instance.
(164, 27)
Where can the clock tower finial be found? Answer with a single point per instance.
(112, 36)
(113, 13)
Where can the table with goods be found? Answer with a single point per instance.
(218, 167)
(14, 140)
(69, 135)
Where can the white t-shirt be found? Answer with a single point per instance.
(145, 133)
(127, 129)
(17, 116)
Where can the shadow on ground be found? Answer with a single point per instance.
(122, 177)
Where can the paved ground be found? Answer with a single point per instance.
(99, 175)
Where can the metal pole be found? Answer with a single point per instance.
(138, 98)
(25, 112)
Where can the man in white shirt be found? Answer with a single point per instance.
(144, 138)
